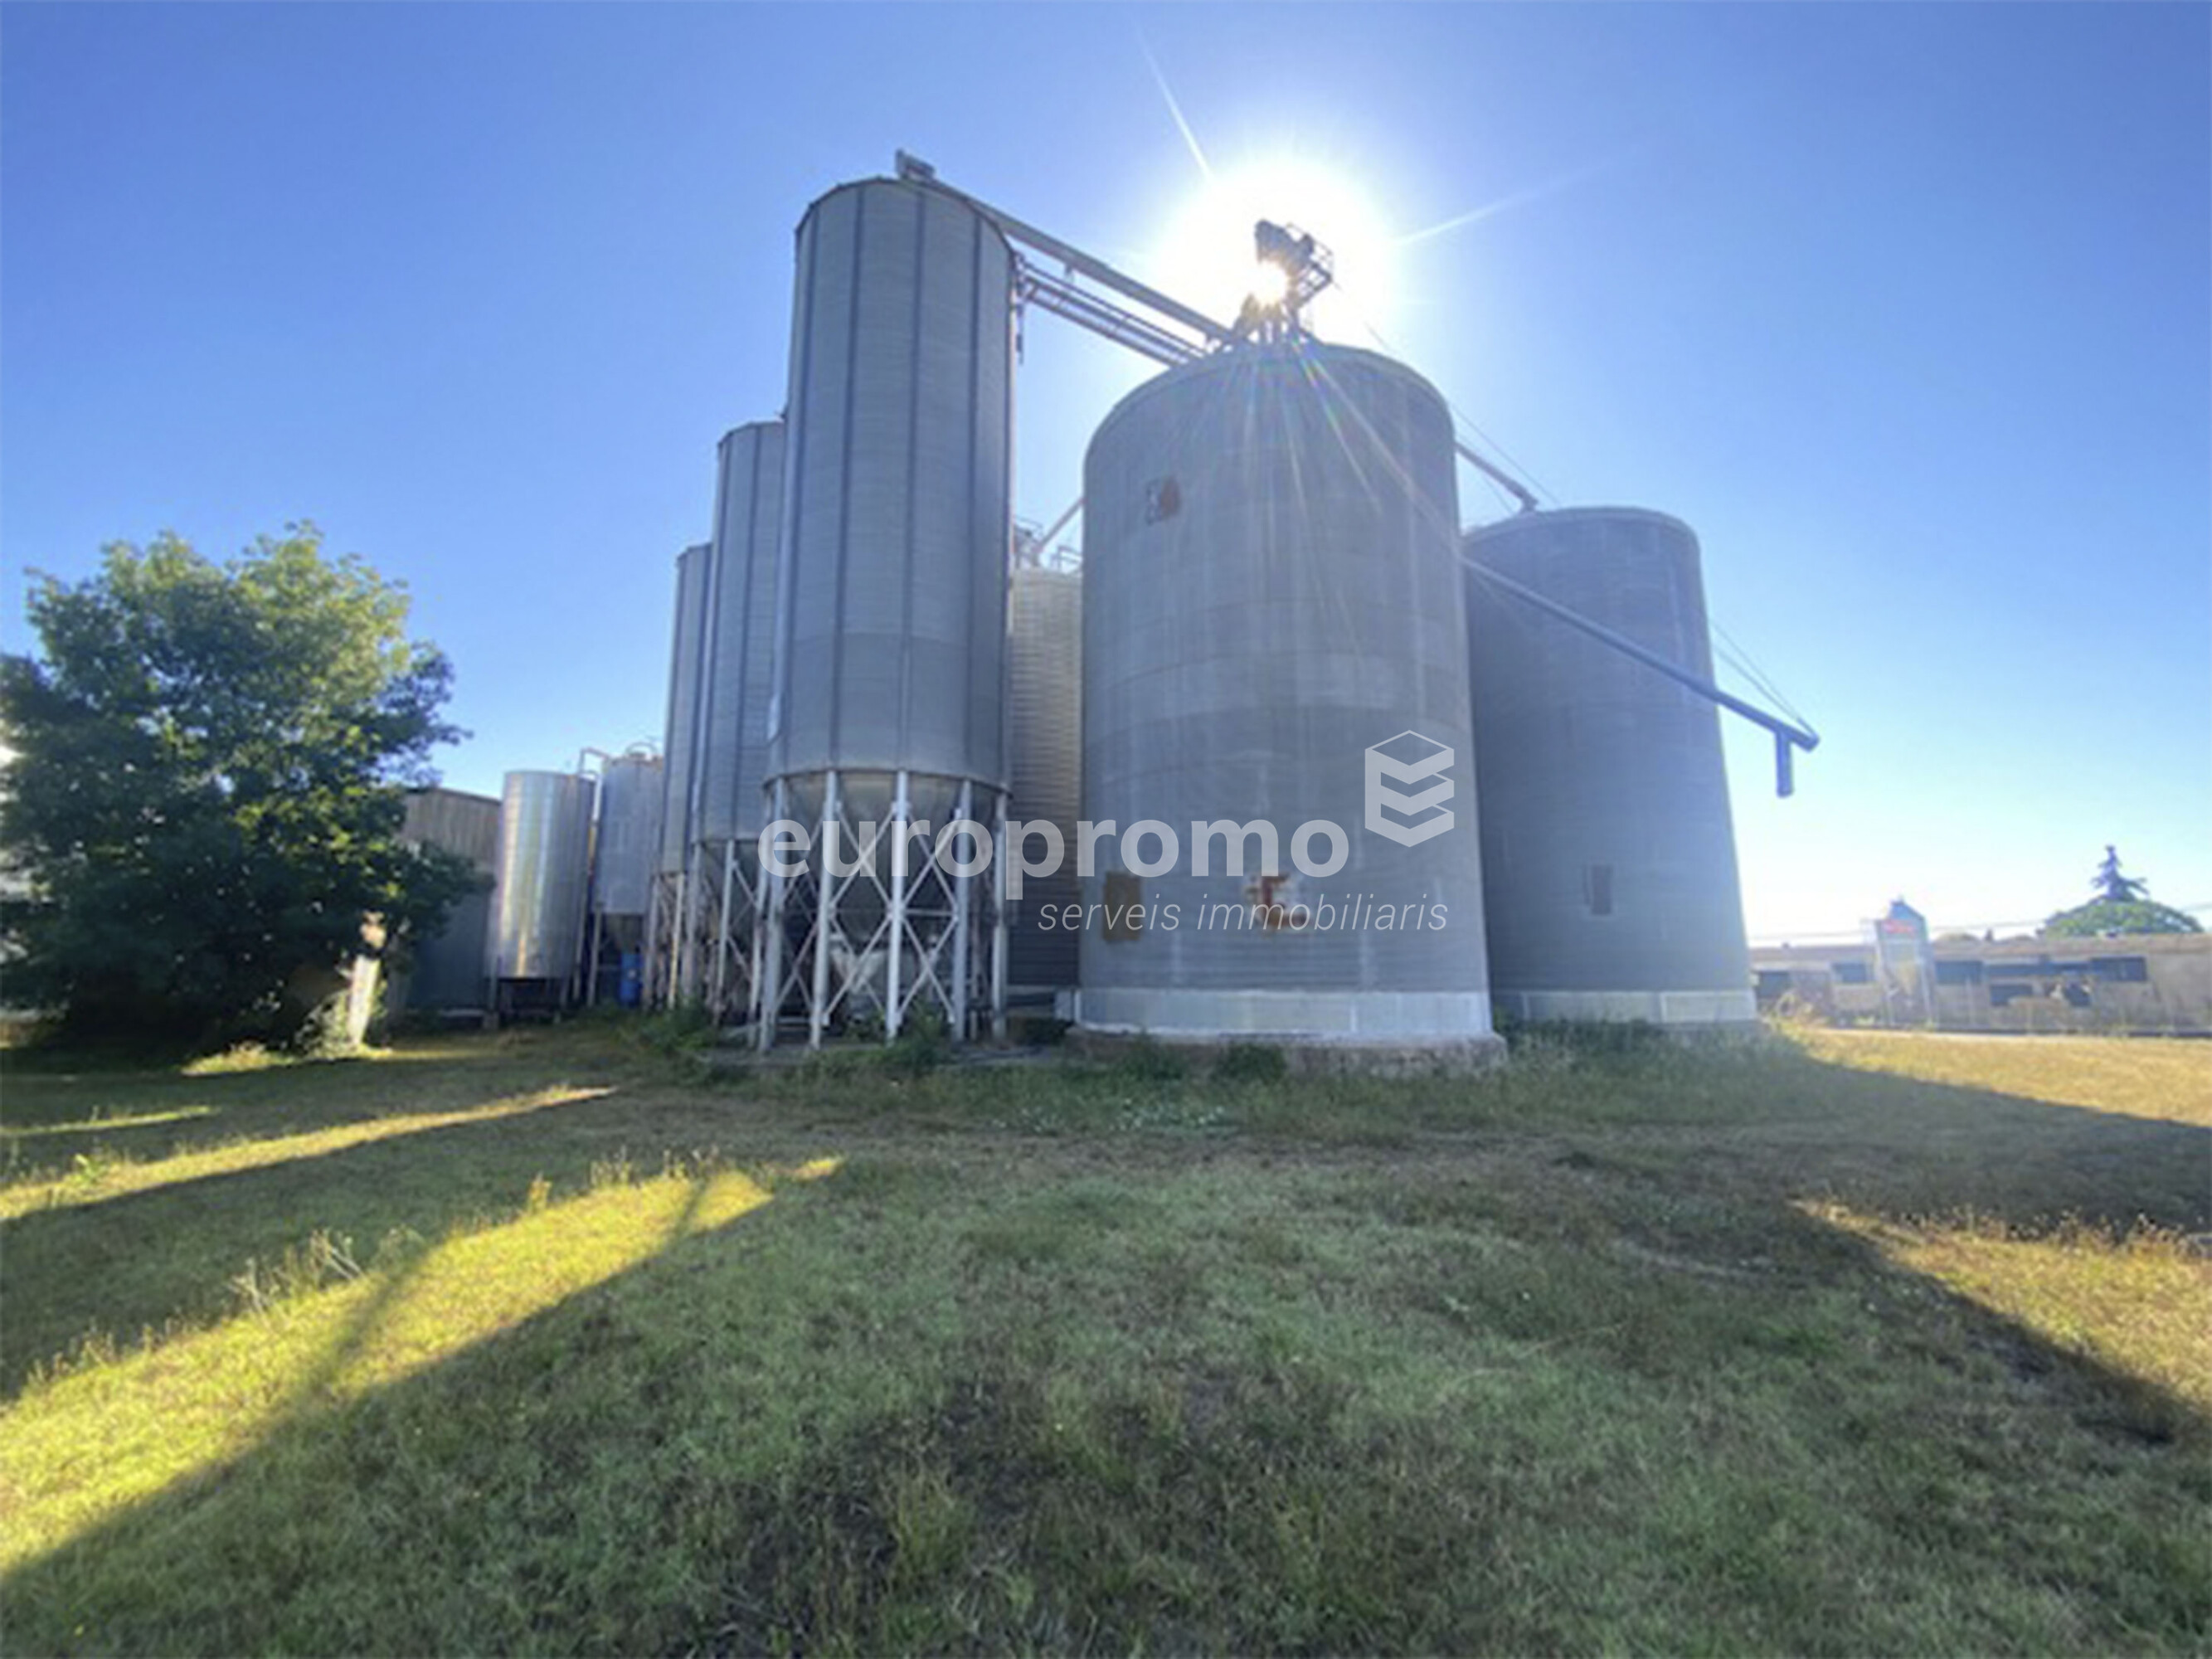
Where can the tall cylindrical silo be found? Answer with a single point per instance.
(540, 872)
(1044, 764)
(671, 944)
(685, 686)
(889, 659)
(1271, 638)
(730, 738)
(1609, 856)
(740, 641)
(897, 505)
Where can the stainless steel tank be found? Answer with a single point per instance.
(738, 654)
(1608, 855)
(1044, 761)
(892, 595)
(685, 688)
(539, 874)
(1271, 634)
(628, 842)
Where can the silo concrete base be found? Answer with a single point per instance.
(1304, 1057)
(1671, 1009)
(1372, 1031)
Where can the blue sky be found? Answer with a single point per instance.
(1907, 309)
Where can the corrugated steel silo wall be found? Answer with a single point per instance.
(1272, 586)
(891, 596)
(733, 730)
(540, 876)
(446, 971)
(684, 689)
(1045, 760)
(1608, 855)
(628, 839)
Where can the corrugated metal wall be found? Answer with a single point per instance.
(892, 591)
(1272, 588)
(1608, 853)
(1044, 749)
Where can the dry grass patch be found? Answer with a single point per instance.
(2163, 1077)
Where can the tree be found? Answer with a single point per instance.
(208, 788)
(2123, 906)
(2113, 887)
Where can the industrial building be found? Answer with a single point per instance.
(921, 764)
(2141, 984)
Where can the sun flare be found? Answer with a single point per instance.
(1206, 259)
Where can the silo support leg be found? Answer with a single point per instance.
(894, 999)
(825, 911)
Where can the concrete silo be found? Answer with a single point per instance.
(1272, 636)
(541, 871)
(889, 705)
(1609, 856)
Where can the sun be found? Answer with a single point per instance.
(1206, 256)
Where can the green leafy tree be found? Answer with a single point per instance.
(207, 789)
(2123, 905)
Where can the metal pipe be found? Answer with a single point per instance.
(1785, 734)
(1490, 470)
(1044, 541)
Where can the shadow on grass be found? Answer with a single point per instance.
(143, 1114)
(138, 1262)
(838, 1428)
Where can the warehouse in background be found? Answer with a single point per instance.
(2141, 984)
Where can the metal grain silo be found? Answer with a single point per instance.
(1608, 857)
(730, 737)
(1044, 761)
(891, 593)
(540, 874)
(669, 938)
(1270, 636)
(740, 652)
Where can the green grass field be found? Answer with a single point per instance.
(1840, 1344)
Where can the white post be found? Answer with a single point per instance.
(963, 904)
(722, 931)
(825, 909)
(767, 980)
(901, 811)
(999, 920)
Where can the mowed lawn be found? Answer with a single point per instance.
(546, 1342)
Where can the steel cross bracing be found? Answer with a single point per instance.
(842, 940)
